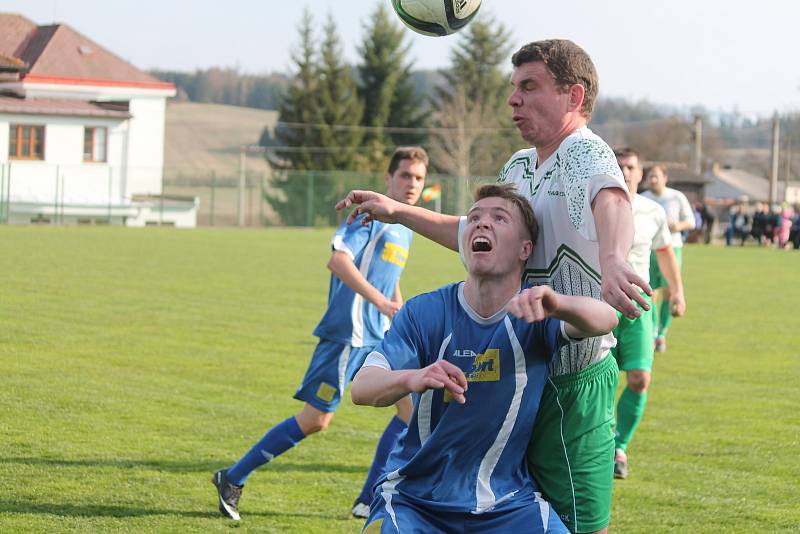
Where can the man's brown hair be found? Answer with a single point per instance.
(416, 153)
(568, 63)
(652, 168)
(628, 152)
(509, 192)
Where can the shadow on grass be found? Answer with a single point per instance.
(93, 510)
(181, 466)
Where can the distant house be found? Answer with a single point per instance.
(727, 186)
(84, 132)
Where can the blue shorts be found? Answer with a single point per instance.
(396, 515)
(332, 366)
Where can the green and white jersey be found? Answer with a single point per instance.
(677, 207)
(650, 232)
(566, 256)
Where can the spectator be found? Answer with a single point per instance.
(739, 225)
(760, 219)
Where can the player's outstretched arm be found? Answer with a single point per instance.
(435, 226)
(668, 263)
(375, 386)
(583, 316)
(613, 220)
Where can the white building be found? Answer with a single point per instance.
(84, 131)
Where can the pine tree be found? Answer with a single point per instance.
(386, 87)
(338, 105)
(471, 104)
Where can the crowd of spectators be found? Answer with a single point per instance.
(777, 227)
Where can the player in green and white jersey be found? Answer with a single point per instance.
(680, 218)
(582, 205)
(634, 349)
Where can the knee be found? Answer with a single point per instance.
(313, 421)
(638, 381)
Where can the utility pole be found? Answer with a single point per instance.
(698, 143)
(773, 176)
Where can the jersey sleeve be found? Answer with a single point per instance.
(403, 346)
(663, 237)
(686, 214)
(589, 167)
(351, 238)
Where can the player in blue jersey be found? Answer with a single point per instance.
(477, 375)
(366, 263)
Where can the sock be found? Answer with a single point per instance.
(630, 409)
(385, 446)
(664, 318)
(278, 440)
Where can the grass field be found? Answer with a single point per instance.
(136, 362)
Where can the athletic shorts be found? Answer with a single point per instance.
(634, 349)
(571, 454)
(656, 278)
(333, 365)
(397, 515)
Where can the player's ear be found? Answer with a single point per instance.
(526, 250)
(577, 92)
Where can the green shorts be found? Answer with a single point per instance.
(571, 454)
(656, 278)
(634, 348)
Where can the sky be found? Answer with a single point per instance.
(721, 54)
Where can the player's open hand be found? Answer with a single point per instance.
(376, 206)
(677, 304)
(621, 288)
(533, 304)
(439, 375)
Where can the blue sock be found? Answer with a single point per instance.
(278, 440)
(385, 446)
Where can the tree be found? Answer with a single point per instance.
(387, 88)
(338, 105)
(470, 107)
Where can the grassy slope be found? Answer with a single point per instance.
(138, 361)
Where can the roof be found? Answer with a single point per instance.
(59, 54)
(11, 64)
(72, 108)
(736, 183)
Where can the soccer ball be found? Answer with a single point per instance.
(436, 17)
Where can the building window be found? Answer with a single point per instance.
(26, 142)
(94, 144)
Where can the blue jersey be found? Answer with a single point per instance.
(470, 457)
(380, 252)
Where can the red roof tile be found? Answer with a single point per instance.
(47, 106)
(58, 53)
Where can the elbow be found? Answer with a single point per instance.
(358, 395)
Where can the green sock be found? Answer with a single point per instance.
(630, 409)
(664, 318)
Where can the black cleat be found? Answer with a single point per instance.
(228, 494)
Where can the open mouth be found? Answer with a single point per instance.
(481, 244)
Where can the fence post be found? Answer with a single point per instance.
(55, 199)
(310, 199)
(110, 183)
(213, 195)
(8, 193)
(242, 185)
(261, 194)
(2, 193)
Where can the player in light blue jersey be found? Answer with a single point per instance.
(477, 374)
(366, 263)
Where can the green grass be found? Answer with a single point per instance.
(136, 362)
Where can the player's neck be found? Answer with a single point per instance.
(488, 295)
(548, 148)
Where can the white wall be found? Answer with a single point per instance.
(145, 155)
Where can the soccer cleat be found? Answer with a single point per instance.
(620, 464)
(661, 344)
(360, 510)
(228, 494)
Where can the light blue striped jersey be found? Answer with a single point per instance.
(470, 457)
(380, 252)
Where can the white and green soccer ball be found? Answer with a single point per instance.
(436, 17)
